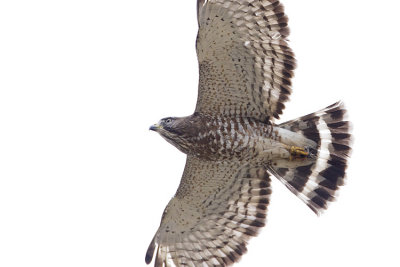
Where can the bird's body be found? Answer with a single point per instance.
(236, 139)
(233, 144)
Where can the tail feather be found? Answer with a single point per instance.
(317, 184)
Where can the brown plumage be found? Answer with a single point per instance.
(233, 145)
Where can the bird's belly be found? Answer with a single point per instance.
(254, 145)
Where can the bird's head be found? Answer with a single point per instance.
(166, 126)
(175, 130)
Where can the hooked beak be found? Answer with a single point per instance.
(155, 127)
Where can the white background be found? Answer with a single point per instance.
(84, 183)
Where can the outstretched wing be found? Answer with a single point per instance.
(245, 62)
(217, 208)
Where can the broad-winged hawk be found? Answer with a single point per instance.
(233, 145)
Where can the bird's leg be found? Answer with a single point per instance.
(297, 153)
(293, 157)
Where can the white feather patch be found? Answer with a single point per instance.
(322, 162)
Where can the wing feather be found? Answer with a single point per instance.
(245, 63)
(218, 207)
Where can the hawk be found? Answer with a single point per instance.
(233, 144)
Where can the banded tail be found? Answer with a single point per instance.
(317, 184)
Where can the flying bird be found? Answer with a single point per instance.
(233, 144)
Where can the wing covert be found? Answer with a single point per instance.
(245, 63)
(217, 208)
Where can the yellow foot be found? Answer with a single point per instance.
(297, 152)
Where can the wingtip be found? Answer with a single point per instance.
(150, 252)
(148, 258)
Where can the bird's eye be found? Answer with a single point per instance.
(168, 120)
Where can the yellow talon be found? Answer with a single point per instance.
(297, 152)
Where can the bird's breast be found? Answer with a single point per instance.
(229, 138)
